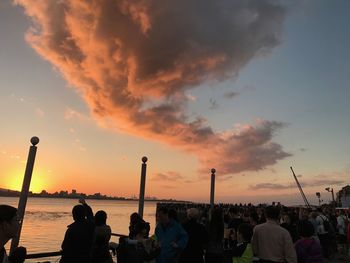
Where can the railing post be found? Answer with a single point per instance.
(212, 188)
(25, 189)
(142, 186)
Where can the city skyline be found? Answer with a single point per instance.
(249, 88)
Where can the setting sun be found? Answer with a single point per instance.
(15, 181)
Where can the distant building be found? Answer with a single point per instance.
(343, 196)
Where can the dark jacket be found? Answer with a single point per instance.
(76, 246)
(197, 239)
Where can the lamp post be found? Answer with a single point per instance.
(328, 189)
(25, 189)
(212, 188)
(142, 185)
(318, 194)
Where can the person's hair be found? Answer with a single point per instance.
(163, 210)
(193, 213)
(246, 230)
(173, 214)
(254, 216)
(272, 212)
(78, 213)
(305, 228)
(100, 218)
(7, 213)
(233, 210)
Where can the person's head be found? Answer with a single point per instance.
(141, 230)
(9, 222)
(306, 229)
(233, 211)
(245, 232)
(100, 218)
(272, 212)
(193, 214)
(253, 218)
(135, 218)
(78, 213)
(163, 215)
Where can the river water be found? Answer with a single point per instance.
(46, 220)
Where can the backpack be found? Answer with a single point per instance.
(326, 224)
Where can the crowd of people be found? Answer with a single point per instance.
(197, 233)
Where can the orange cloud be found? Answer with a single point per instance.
(133, 61)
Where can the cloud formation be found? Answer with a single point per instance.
(134, 60)
(169, 176)
(309, 183)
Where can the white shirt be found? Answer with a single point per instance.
(341, 224)
(320, 219)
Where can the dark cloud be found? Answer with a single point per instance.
(230, 94)
(133, 61)
(309, 183)
(213, 104)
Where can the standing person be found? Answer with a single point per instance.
(307, 248)
(77, 243)
(242, 251)
(323, 233)
(9, 227)
(171, 237)
(342, 222)
(197, 238)
(214, 250)
(271, 242)
(102, 235)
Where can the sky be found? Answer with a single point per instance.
(249, 88)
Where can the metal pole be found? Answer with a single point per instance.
(25, 189)
(300, 189)
(142, 185)
(212, 188)
(333, 197)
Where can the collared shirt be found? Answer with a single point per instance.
(272, 242)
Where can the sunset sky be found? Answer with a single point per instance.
(247, 87)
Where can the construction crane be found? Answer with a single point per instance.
(300, 189)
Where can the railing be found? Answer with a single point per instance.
(59, 253)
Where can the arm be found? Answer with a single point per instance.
(182, 238)
(289, 250)
(255, 244)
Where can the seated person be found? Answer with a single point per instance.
(9, 227)
(102, 235)
(138, 248)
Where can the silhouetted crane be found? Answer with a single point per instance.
(300, 189)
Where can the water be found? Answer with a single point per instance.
(46, 219)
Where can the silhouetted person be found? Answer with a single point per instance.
(197, 238)
(215, 228)
(77, 243)
(307, 248)
(102, 235)
(9, 226)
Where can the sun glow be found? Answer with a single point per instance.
(15, 181)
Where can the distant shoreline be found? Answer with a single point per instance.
(66, 195)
